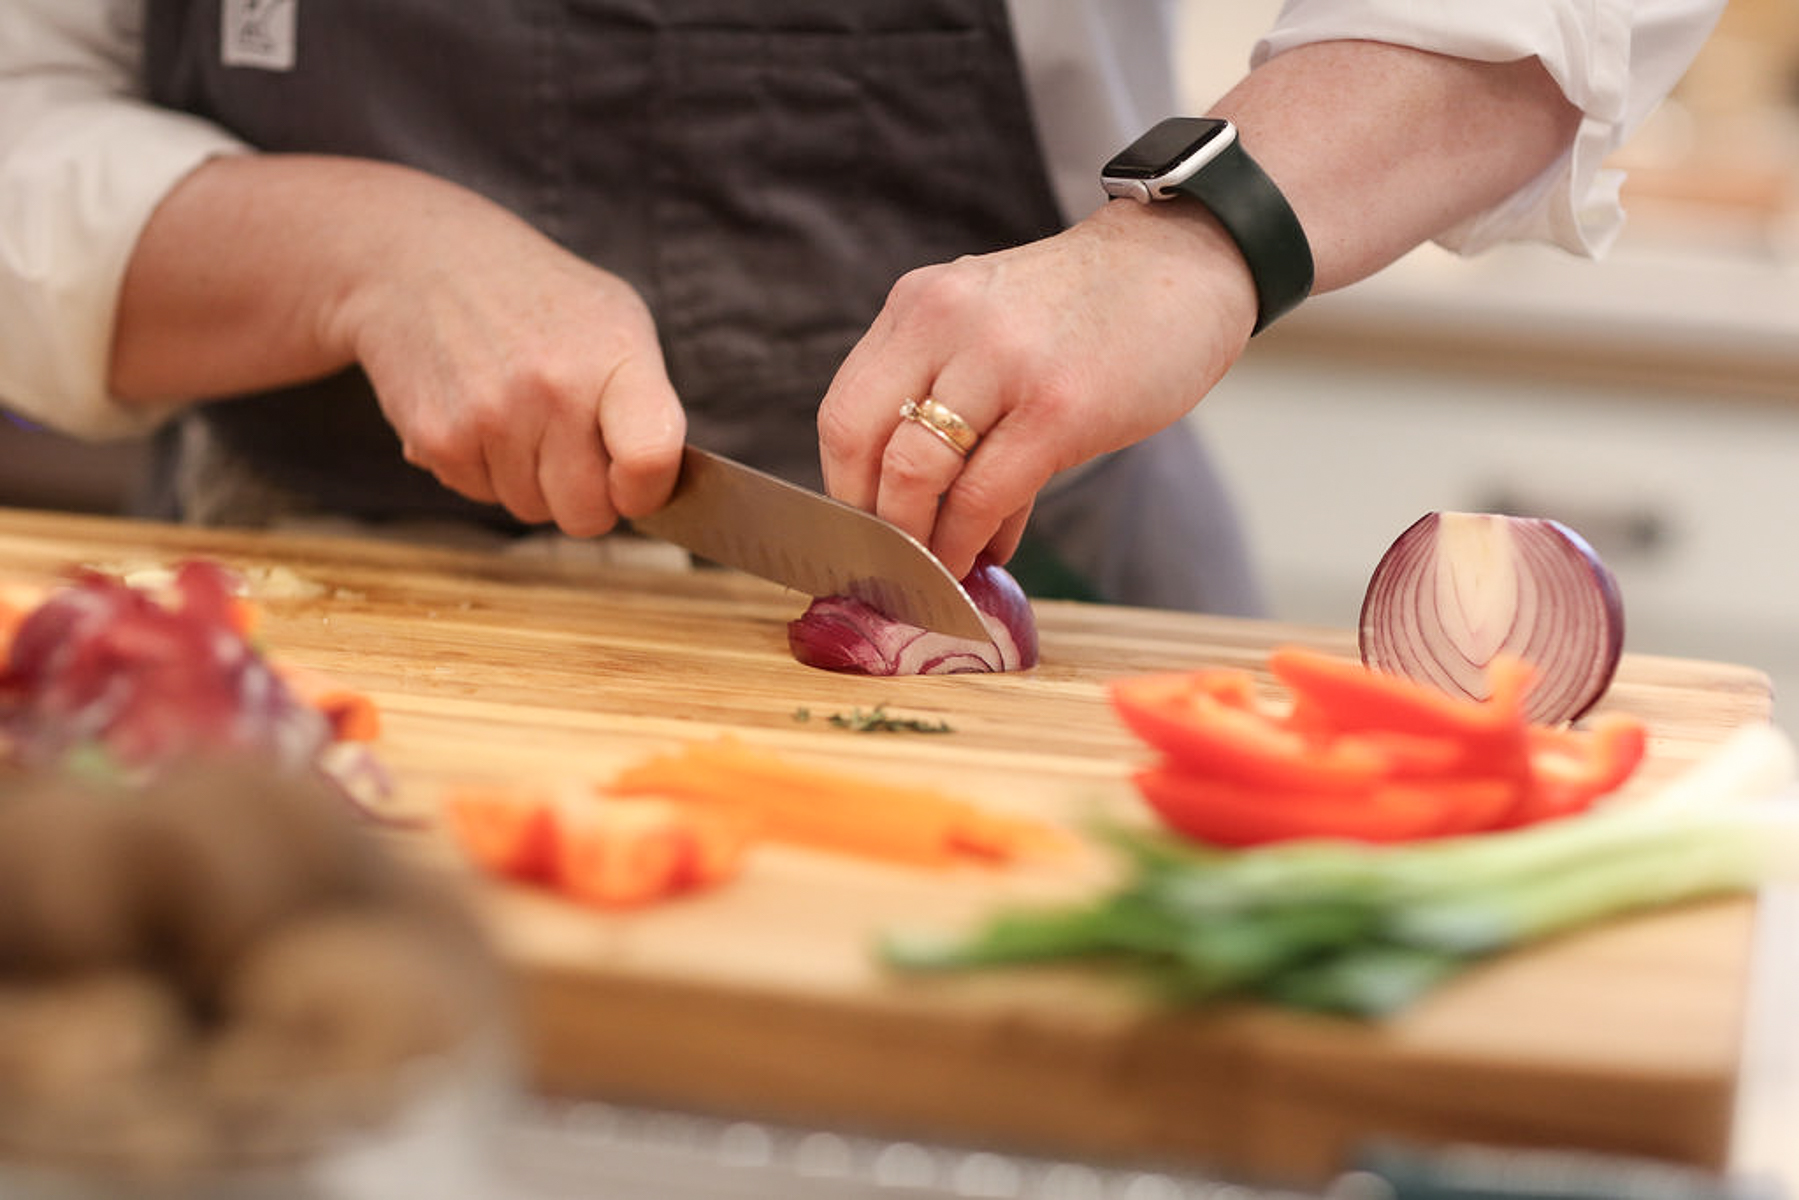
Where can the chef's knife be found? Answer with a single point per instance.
(741, 517)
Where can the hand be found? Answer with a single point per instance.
(1055, 352)
(517, 373)
(512, 370)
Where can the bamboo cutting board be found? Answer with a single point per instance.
(763, 999)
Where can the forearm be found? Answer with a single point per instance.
(245, 276)
(509, 368)
(1379, 148)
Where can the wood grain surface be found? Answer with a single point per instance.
(763, 998)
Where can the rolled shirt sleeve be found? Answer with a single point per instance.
(1615, 60)
(83, 163)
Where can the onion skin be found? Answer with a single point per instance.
(840, 633)
(1456, 590)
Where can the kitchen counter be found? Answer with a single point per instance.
(1717, 317)
(762, 1002)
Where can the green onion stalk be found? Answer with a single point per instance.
(1364, 930)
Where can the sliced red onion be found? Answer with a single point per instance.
(1457, 590)
(839, 633)
(147, 679)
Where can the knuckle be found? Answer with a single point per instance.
(909, 468)
(836, 437)
(585, 520)
(440, 447)
(1054, 398)
(940, 290)
(979, 494)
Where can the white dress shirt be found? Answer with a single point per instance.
(84, 160)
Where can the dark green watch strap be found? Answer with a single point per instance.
(1259, 219)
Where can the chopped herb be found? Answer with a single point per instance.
(877, 720)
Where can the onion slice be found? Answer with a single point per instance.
(840, 633)
(1456, 590)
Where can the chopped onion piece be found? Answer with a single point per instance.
(1457, 590)
(840, 633)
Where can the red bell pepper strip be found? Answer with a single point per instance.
(1571, 768)
(1211, 722)
(1361, 754)
(1229, 814)
(1342, 695)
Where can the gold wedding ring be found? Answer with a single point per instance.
(943, 421)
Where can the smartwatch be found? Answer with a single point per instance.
(1202, 157)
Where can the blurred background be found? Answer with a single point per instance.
(1651, 401)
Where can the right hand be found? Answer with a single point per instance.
(512, 370)
(515, 372)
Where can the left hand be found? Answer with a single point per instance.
(1055, 352)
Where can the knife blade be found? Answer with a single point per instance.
(741, 517)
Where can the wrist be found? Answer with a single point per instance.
(1201, 160)
(1183, 250)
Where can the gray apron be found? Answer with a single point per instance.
(760, 170)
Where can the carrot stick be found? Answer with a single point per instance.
(828, 810)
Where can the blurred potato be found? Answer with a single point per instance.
(216, 967)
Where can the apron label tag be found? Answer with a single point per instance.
(258, 33)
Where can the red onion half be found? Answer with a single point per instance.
(839, 633)
(1457, 590)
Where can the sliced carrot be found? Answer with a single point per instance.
(17, 601)
(795, 804)
(246, 617)
(720, 841)
(506, 831)
(10, 620)
(835, 811)
(621, 854)
(606, 853)
(353, 715)
(1005, 839)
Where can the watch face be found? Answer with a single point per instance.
(1165, 147)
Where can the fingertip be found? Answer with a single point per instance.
(1004, 543)
(643, 474)
(965, 528)
(591, 521)
(643, 436)
(843, 455)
